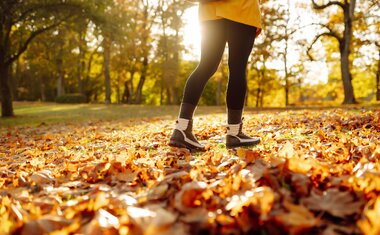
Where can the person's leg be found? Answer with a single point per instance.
(212, 48)
(240, 42)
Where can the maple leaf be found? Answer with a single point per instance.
(334, 202)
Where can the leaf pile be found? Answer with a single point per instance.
(315, 172)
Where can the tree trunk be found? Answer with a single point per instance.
(349, 97)
(126, 94)
(262, 81)
(168, 95)
(81, 67)
(142, 80)
(176, 99)
(219, 92)
(131, 87)
(287, 85)
(258, 92)
(5, 92)
(262, 99)
(301, 97)
(176, 64)
(118, 92)
(60, 83)
(378, 79)
(162, 91)
(43, 89)
(61, 74)
(286, 79)
(15, 79)
(107, 77)
(220, 82)
(81, 61)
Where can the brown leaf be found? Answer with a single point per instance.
(158, 192)
(333, 229)
(42, 177)
(333, 201)
(297, 220)
(301, 184)
(198, 215)
(44, 225)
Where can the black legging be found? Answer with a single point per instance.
(215, 34)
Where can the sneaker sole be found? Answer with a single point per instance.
(231, 146)
(177, 144)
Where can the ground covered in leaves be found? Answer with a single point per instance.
(316, 172)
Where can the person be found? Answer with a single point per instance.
(236, 22)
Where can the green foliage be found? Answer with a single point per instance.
(73, 51)
(365, 87)
(71, 99)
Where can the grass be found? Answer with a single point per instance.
(36, 113)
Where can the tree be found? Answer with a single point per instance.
(286, 35)
(264, 52)
(147, 21)
(170, 41)
(20, 23)
(367, 43)
(344, 40)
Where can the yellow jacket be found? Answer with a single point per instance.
(242, 11)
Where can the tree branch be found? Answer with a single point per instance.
(330, 31)
(34, 34)
(330, 3)
(41, 6)
(316, 39)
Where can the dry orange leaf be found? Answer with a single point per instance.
(370, 223)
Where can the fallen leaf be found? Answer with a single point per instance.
(44, 225)
(42, 177)
(190, 195)
(334, 202)
(297, 219)
(369, 224)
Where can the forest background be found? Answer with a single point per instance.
(137, 52)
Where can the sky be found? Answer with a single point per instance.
(318, 71)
